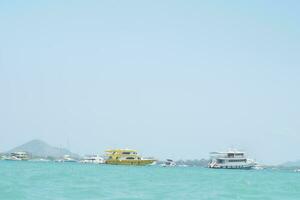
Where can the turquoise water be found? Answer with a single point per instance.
(64, 181)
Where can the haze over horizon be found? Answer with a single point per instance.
(171, 79)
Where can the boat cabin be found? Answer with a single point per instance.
(22, 155)
(122, 154)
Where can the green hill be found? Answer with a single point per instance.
(38, 148)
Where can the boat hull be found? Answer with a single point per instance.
(232, 167)
(129, 162)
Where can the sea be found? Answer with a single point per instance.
(25, 180)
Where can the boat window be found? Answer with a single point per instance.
(240, 160)
(239, 154)
(126, 152)
(230, 155)
(130, 158)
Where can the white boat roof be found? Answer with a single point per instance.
(224, 158)
(226, 152)
(20, 152)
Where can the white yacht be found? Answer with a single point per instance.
(66, 158)
(95, 159)
(21, 155)
(230, 160)
(169, 163)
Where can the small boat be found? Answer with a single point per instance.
(297, 170)
(230, 160)
(39, 160)
(66, 158)
(169, 163)
(94, 159)
(258, 167)
(126, 157)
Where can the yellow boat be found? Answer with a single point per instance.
(126, 157)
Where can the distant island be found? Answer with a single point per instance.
(40, 149)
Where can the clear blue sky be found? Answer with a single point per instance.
(172, 79)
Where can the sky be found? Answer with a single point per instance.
(172, 79)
